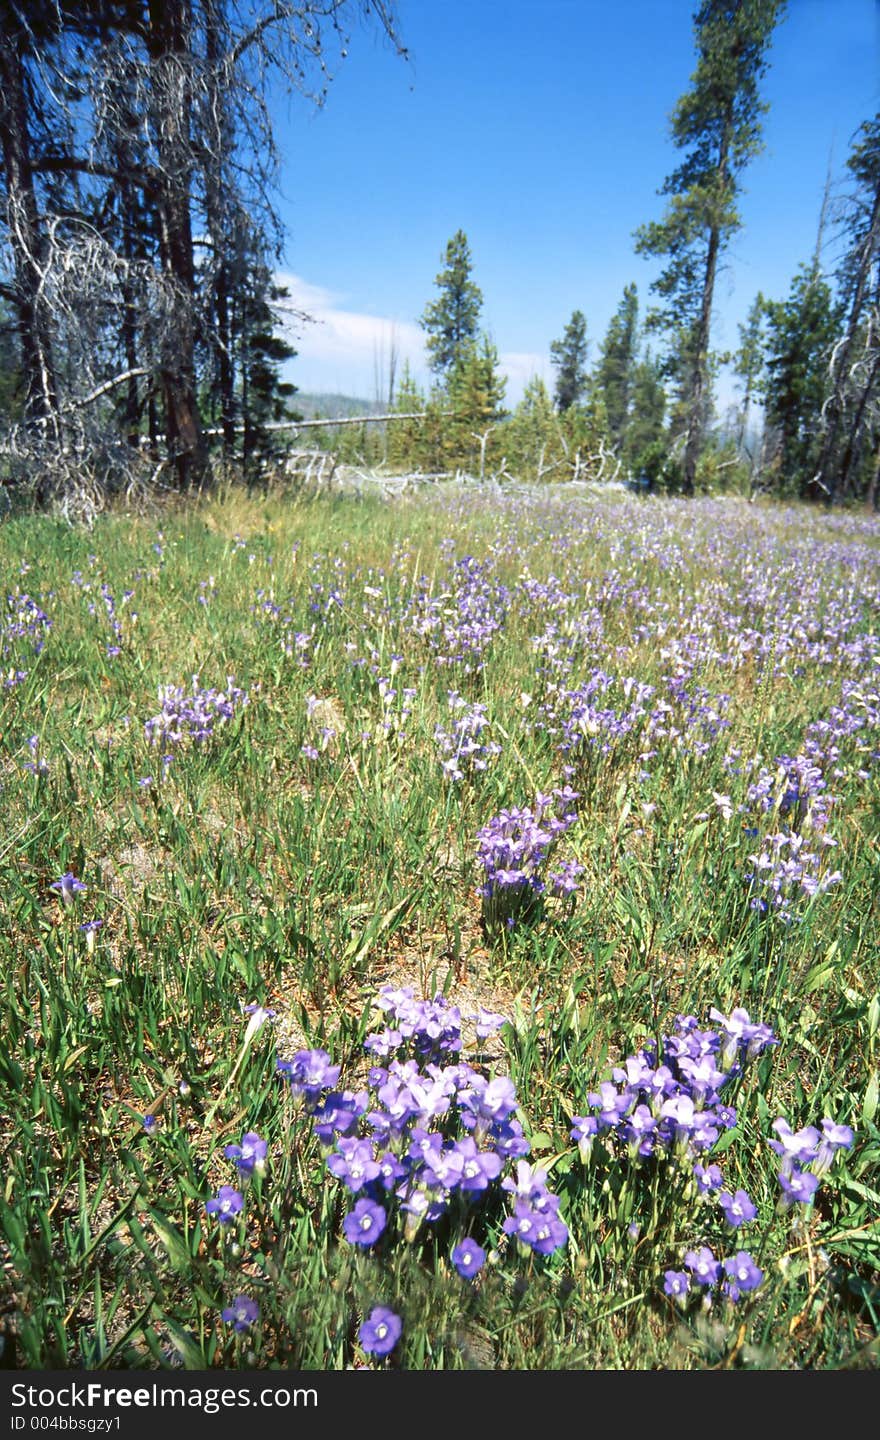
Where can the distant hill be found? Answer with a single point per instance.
(332, 407)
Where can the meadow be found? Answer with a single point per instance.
(441, 934)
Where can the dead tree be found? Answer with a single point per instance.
(860, 277)
(24, 231)
(136, 147)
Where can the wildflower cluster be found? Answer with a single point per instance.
(790, 864)
(795, 790)
(325, 722)
(429, 1139)
(192, 715)
(249, 1158)
(806, 1156)
(601, 714)
(513, 850)
(396, 704)
(732, 1278)
(24, 626)
(669, 1103)
(460, 624)
(787, 869)
(114, 646)
(37, 764)
(465, 747)
(666, 1102)
(296, 644)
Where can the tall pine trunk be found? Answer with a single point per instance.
(699, 383)
(169, 51)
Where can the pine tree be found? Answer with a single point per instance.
(406, 438)
(615, 372)
(260, 353)
(646, 448)
(717, 122)
(748, 362)
(451, 321)
(533, 441)
(802, 331)
(476, 394)
(585, 431)
(569, 359)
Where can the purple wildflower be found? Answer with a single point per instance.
(353, 1163)
(488, 1022)
(380, 1332)
(702, 1264)
(834, 1137)
(226, 1204)
(742, 1274)
(365, 1223)
(68, 886)
(539, 1230)
(478, 1167)
(798, 1186)
(468, 1258)
(249, 1155)
(241, 1314)
(738, 1208)
(795, 1147)
(584, 1130)
(676, 1284)
(708, 1178)
(310, 1072)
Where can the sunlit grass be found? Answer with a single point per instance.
(310, 850)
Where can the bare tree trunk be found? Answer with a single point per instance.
(129, 317)
(699, 385)
(850, 454)
(26, 239)
(696, 423)
(220, 144)
(392, 365)
(168, 45)
(826, 470)
(874, 487)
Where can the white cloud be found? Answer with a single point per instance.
(348, 352)
(345, 351)
(521, 366)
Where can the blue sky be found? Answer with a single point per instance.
(541, 129)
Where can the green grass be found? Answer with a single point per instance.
(247, 872)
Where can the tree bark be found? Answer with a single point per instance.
(221, 142)
(826, 470)
(696, 424)
(850, 454)
(168, 44)
(26, 239)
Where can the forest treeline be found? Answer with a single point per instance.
(139, 341)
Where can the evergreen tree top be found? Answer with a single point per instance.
(569, 358)
(451, 321)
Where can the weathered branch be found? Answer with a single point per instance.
(135, 372)
(327, 424)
